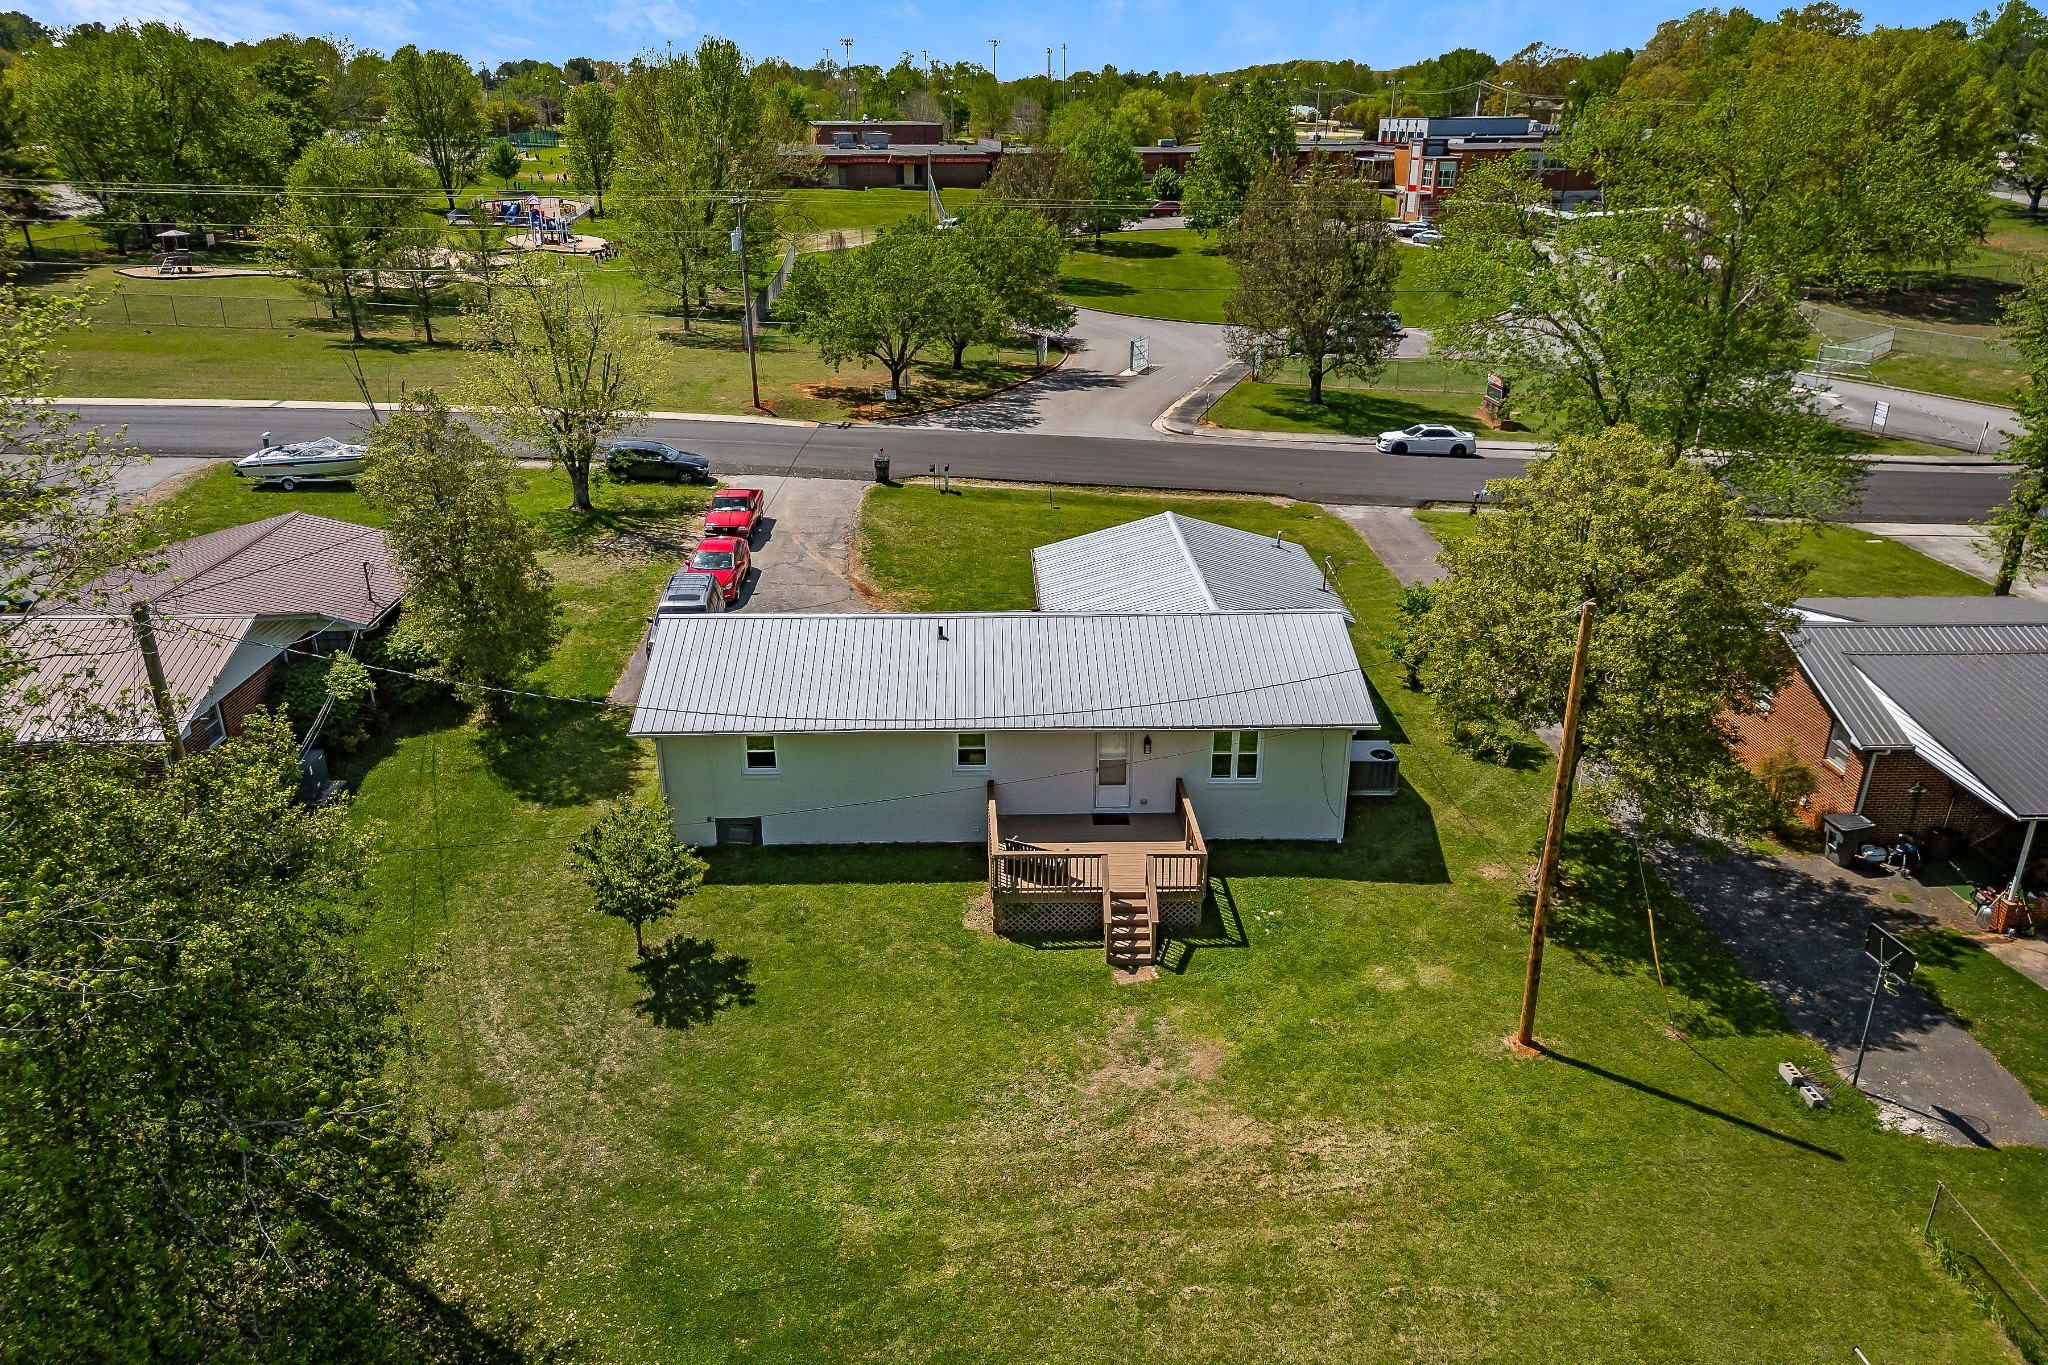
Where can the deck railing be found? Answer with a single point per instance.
(1078, 874)
(1019, 869)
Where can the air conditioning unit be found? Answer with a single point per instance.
(845, 140)
(1375, 767)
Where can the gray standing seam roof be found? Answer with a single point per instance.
(750, 673)
(1924, 611)
(1169, 562)
(1991, 716)
(1830, 657)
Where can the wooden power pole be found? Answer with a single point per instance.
(1553, 836)
(153, 668)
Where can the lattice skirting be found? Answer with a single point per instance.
(1083, 917)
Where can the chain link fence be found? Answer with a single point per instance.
(1989, 1273)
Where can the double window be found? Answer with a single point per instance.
(970, 751)
(761, 754)
(1234, 756)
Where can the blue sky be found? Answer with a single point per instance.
(1188, 35)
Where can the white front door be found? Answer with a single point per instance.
(1113, 771)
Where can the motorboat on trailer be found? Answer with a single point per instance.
(326, 460)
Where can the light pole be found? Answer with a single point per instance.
(846, 68)
(739, 245)
(993, 43)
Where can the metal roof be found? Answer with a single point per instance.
(1984, 723)
(1923, 611)
(293, 564)
(1169, 562)
(85, 679)
(751, 673)
(1831, 657)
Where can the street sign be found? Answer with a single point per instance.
(1879, 417)
(1496, 387)
(1883, 947)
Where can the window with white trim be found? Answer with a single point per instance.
(1234, 756)
(970, 751)
(761, 754)
(1838, 747)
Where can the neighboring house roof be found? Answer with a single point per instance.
(85, 680)
(293, 564)
(1970, 697)
(1170, 562)
(1922, 611)
(1185, 670)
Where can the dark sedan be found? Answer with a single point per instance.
(655, 460)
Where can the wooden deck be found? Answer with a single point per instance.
(1123, 847)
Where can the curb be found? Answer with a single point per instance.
(322, 405)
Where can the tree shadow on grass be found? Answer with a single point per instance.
(1087, 287)
(563, 755)
(689, 983)
(1129, 248)
(1386, 839)
(1600, 917)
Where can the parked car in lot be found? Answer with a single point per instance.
(1166, 208)
(690, 592)
(640, 459)
(733, 512)
(1429, 236)
(726, 559)
(1428, 438)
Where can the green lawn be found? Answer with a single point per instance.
(825, 210)
(1180, 275)
(2002, 1009)
(1984, 381)
(1305, 1141)
(1846, 562)
(1254, 406)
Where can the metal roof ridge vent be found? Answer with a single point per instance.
(1194, 565)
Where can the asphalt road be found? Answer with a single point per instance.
(1328, 474)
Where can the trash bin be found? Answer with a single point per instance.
(881, 467)
(1844, 833)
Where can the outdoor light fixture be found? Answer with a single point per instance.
(1148, 744)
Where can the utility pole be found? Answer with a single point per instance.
(847, 68)
(1050, 103)
(993, 43)
(739, 244)
(1553, 835)
(153, 668)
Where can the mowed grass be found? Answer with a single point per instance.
(1182, 276)
(1306, 1141)
(1255, 406)
(1846, 562)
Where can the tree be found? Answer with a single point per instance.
(208, 1138)
(418, 263)
(887, 301)
(2014, 528)
(635, 869)
(1143, 117)
(477, 598)
(1013, 256)
(503, 161)
(593, 141)
(1166, 184)
(1112, 179)
(694, 137)
(1316, 264)
(333, 233)
(557, 369)
(1047, 183)
(438, 103)
(2023, 146)
(1692, 596)
(1245, 129)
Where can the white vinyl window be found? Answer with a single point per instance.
(1234, 756)
(1838, 747)
(761, 754)
(970, 751)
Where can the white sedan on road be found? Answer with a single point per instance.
(1428, 438)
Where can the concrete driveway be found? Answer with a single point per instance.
(1796, 924)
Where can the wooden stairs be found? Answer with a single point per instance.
(1130, 928)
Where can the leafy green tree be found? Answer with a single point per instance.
(1245, 130)
(438, 104)
(291, 93)
(635, 869)
(1316, 264)
(1112, 179)
(1692, 596)
(1047, 183)
(1013, 257)
(209, 1146)
(1143, 117)
(331, 233)
(2023, 144)
(593, 112)
(556, 368)
(477, 598)
(888, 301)
(504, 116)
(2015, 528)
(503, 161)
(694, 137)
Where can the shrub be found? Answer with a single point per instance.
(303, 686)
